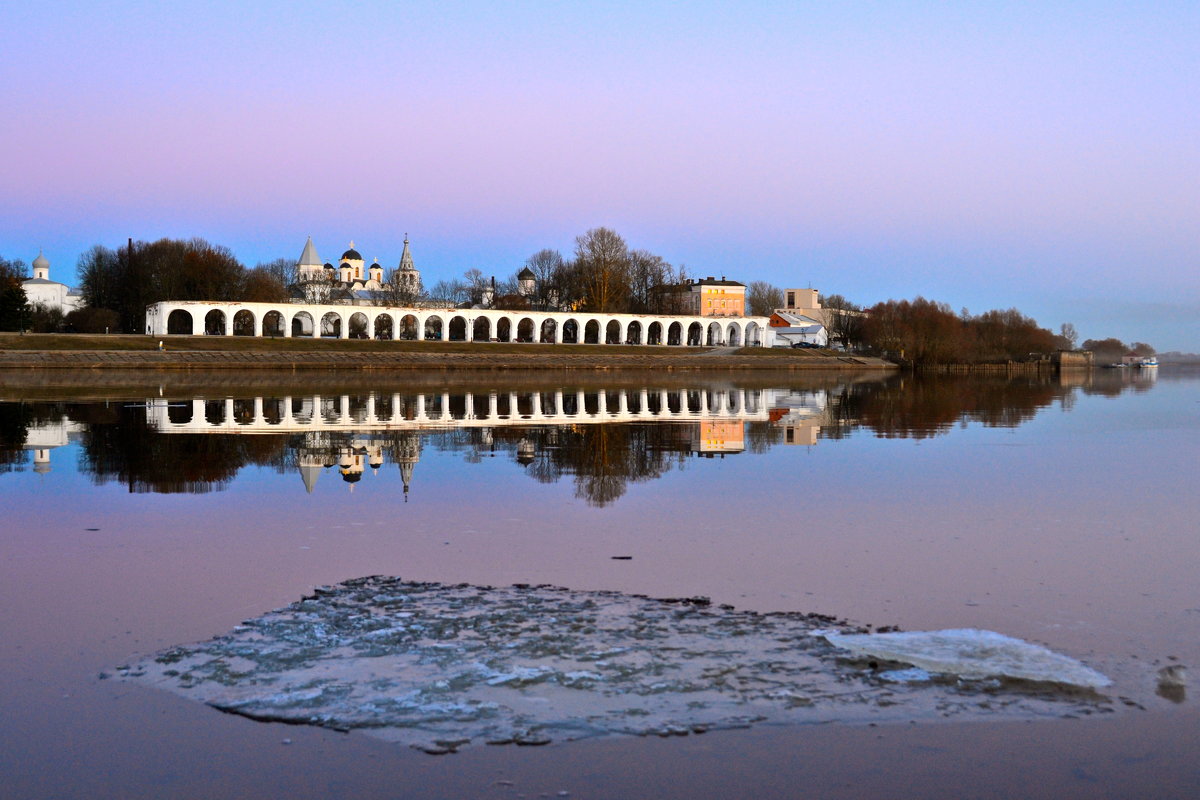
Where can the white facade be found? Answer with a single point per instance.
(197, 318)
(793, 330)
(356, 280)
(40, 290)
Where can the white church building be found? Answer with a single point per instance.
(352, 280)
(40, 290)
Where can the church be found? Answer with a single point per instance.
(41, 291)
(352, 281)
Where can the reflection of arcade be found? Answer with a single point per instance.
(603, 439)
(429, 411)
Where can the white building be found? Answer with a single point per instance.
(40, 290)
(801, 322)
(351, 281)
(797, 330)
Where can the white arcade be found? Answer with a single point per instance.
(198, 318)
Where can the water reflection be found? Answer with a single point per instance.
(601, 439)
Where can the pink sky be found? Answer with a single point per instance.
(1044, 158)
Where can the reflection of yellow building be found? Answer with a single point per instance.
(801, 433)
(712, 437)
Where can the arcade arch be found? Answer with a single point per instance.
(302, 324)
(570, 331)
(331, 325)
(433, 328)
(384, 328)
(273, 324)
(409, 328)
(358, 326)
(243, 323)
(633, 333)
(214, 323)
(180, 322)
(525, 329)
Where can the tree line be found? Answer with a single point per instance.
(1108, 350)
(117, 285)
(926, 332)
(14, 305)
(603, 275)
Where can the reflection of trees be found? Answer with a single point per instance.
(602, 459)
(762, 436)
(146, 461)
(919, 407)
(14, 419)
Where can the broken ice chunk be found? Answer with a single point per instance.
(911, 675)
(1172, 683)
(971, 653)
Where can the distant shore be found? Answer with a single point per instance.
(100, 352)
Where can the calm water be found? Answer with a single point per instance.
(137, 517)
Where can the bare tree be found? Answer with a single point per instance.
(398, 290)
(476, 284)
(545, 265)
(762, 298)
(843, 320)
(1067, 336)
(264, 285)
(673, 297)
(603, 260)
(12, 271)
(284, 270)
(320, 288)
(647, 274)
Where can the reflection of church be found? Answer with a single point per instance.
(352, 461)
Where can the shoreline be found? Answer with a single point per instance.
(65, 351)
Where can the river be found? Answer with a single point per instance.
(171, 509)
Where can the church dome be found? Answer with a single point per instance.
(41, 262)
(351, 254)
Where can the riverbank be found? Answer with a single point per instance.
(67, 351)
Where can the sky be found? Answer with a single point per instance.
(988, 155)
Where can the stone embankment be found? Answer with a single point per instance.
(416, 360)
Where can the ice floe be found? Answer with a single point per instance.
(440, 666)
(969, 653)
